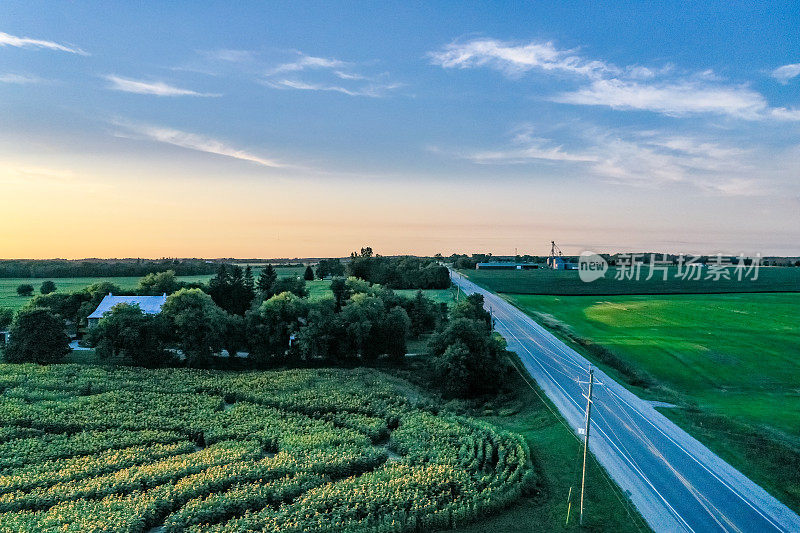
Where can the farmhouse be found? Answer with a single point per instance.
(150, 305)
(505, 265)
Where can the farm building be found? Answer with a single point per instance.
(558, 263)
(505, 265)
(150, 305)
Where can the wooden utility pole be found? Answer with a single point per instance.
(586, 436)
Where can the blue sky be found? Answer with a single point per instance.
(278, 129)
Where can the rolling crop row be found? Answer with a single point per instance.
(304, 450)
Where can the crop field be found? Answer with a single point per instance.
(96, 449)
(567, 282)
(730, 362)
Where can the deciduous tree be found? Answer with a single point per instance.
(47, 287)
(37, 336)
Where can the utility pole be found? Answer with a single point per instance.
(586, 437)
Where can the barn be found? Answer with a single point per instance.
(150, 305)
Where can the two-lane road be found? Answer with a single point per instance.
(676, 483)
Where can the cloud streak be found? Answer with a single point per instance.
(675, 99)
(786, 72)
(309, 73)
(643, 159)
(516, 59)
(26, 42)
(157, 88)
(193, 141)
(633, 87)
(305, 62)
(371, 90)
(19, 79)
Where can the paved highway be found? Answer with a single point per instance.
(676, 483)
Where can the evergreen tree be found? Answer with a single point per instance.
(249, 284)
(267, 279)
(309, 274)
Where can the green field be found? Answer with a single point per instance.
(9, 297)
(567, 282)
(87, 448)
(729, 361)
(8, 286)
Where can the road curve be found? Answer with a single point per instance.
(676, 483)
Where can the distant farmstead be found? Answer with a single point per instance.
(150, 305)
(505, 265)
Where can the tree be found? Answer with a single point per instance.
(130, 336)
(157, 283)
(394, 331)
(249, 284)
(329, 268)
(308, 275)
(267, 278)
(294, 285)
(270, 327)
(92, 296)
(235, 337)
(196, 323)
(340, 293)
(232, 289)
(47, 287)
(362, 317)
(472, 307)
(64, 305)
(25, 289)
(6, 317)
(36, 336)
(424, 314)
(467, 358)
(323, 336)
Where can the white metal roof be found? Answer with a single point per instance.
(150, 305)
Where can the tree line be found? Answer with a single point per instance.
(405, 272)
(64, 268)
(268, 322)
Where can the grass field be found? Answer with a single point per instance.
(567, 282)
(556, 454)
(87, 448)
(8, 286)
(730, 362)
(9, 297)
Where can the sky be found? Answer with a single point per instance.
(307, 129)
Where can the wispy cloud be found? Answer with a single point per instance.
(525, 148)
(20, 79)
(372, 90)
(157, 88)
(310, 73)
(639, 159)
(515, 59)
(26, 42)
(633, 87)
(670, 98)
(229, 55)
(786, 72)
(304, 62)
(193, 141)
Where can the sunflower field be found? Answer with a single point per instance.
(89, 448)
